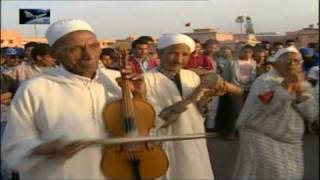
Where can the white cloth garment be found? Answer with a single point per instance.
(314, 73)
(285, 50)
(63, 27)
(271, 132)
(167, 40)
(58, 104)
(187, 159)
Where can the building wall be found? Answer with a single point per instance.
(272, 38)
(30, 39)
(219, 36)
(202, 37)
(304, 36)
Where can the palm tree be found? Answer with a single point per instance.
(240, 20)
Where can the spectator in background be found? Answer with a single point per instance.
(12, 57)
(211, 52)
(199, 63)
(8, 89)
(290, 42)
(224, 61)
(243, 73)
(237, 48)
(259, 55)
(276, 47)
(267, 46)
(223, 120)
(28, 48)
(308, 61)
(214, 47)
(152, 46)
(110, 59)
(141, 60)
(2, 58)
(243, 70)
(315, 48)
(313, 78)
(313, 75)
(41, 62)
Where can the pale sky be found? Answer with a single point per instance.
(119, 19)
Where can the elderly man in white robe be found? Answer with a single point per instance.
(53, 115)
(169, 88)
(271, 123)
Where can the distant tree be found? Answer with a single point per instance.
(240, 20)
(249, 25)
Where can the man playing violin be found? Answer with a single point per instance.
(50, 113)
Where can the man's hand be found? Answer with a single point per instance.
(201, 71)
(136, 85)
(292, 82)
(59, 149)
(6, 98)
(171, 114)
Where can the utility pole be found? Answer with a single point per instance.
(35, 30)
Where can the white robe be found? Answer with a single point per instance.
(187, 159)
(271, 133)
(58, 104)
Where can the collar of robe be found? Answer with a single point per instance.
(76, 77)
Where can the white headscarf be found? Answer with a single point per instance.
(171, 39)
(283, 51)
(63, 27)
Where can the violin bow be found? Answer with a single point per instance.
(128, 140)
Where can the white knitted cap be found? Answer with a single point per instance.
(63, 27)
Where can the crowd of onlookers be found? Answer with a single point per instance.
(240, 66)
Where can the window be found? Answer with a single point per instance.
(2, 41)
(10, 41)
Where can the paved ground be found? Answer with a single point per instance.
(223, 154)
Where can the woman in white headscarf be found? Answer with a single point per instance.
(271, 123)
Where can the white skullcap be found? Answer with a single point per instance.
(285, 50)
(171, 39)
(63, 27)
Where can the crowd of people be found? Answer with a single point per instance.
(53, 95)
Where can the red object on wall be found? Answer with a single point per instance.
(188, 24)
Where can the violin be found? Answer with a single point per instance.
(131, 117)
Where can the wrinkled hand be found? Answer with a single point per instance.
(59, 149)
(6, 98)
(292, 82)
